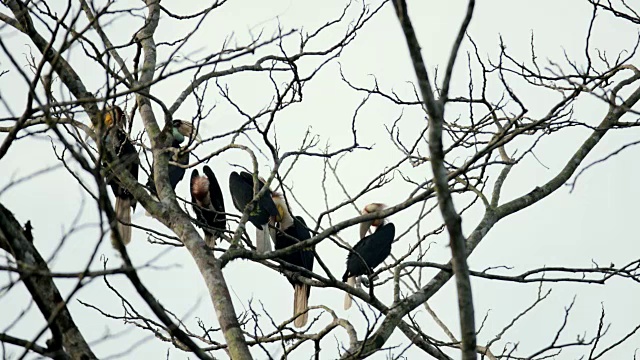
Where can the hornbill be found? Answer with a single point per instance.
(179, 130)
(373, 249)
(264, 210)
(121, 155)
(208, 205)
(292, 231)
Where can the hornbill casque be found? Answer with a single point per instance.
(373, 249)
(180, 130)
(291, 231)
(263, 212)
(208, 205)
(121, 155)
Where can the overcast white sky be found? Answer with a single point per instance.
(597, 222)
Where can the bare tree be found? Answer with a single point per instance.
(107, 84)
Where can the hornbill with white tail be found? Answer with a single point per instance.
(121, 155)
(263, 211)
(208, 205)
(292, 231)
(373, 249)
(180, 130)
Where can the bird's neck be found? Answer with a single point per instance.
(284, 216)
(177, 136)
(286, 221)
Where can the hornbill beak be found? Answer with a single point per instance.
(278, 200)
(371, 208)
(187, 129)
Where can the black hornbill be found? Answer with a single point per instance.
(293, 230)
(121, 155)
(373, 249)
(179, 130)
(208, 205)
(263, 212)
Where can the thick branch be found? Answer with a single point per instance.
(209, 267)
(67, 338)
(451, 218)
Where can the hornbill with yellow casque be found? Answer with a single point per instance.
(121, 155)
(291, 231)
(180, 130)
(264, 210)
(208, 205)
(373, 249)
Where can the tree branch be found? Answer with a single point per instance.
(67, 338)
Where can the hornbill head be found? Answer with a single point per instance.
(181, 129)
(371, 208)
(114, 116)
(199, 186)
(284, 216)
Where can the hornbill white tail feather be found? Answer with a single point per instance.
(123, 216)
(347, 297)
(263, 239)
(300, 304)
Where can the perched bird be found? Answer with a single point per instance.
(28, 231)
(373, 249)
(208, 205)
(263, 212)
(292, 231)
(180, 130)
(121, 155)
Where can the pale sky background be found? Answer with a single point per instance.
(596, 222)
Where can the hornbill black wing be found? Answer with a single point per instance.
(303, 233)
(176, 173)
(373, 249)
(194, 175)
(120, 156)
(265, 201)
(217, 201)
(241, 189)
(296, 233)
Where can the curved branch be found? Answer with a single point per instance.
(67, 338)
(435, 109)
